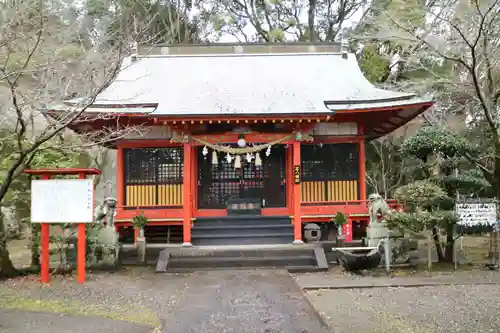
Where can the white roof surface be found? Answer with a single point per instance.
(247, 84)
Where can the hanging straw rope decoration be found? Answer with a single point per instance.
(241, 151)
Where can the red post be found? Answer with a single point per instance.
(289, 179)
(120, 192)
(81, 247)
(45, 248)
(44, 253)
(81, 253)
(347, 229)
(362, 166)
(186, 224)
(297, 194)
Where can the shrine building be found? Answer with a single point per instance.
(244, 143)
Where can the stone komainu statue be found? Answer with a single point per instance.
(103, 246)
(377, 230)
(376, 206)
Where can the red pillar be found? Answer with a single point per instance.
(120, 197)
(45, 248)
(81, 247)
(362, 165)
(297, 211)
(187, 195)
(289, 179)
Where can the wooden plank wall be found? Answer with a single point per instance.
(145, 195)
(329, 190)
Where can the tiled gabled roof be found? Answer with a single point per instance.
(245, 84)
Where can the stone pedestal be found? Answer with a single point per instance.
(141, 250)
(340, 241)
(375, 232)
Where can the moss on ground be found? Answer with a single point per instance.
(130, 314)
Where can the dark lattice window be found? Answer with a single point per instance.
(330, 162)
(153, 177)
(154, 165)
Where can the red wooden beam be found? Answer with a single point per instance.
(63, 171)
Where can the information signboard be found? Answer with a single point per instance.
(62, 201)
(476, 213)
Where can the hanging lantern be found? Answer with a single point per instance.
(237, 162)
(205, 151)
(268, 151)
(249, 157)
(229, 158)
(215, 160)
(258, 161)
(242, 142)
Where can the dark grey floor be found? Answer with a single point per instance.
(14, 321)
(240, 302)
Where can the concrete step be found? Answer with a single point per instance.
(238, 220)
(295, 258)
(242, 230)
(230, 262)
(244, 239)
(225, 251)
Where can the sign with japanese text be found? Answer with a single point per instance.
(296, 174)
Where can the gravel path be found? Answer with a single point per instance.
(444, 309)
(13, 321)
(337, 279)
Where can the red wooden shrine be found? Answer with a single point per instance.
(192, 101)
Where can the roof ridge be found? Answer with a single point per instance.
(221, 55)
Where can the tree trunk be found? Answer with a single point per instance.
(7, 269)
(450, 244)
(437, 243)
(35, 245)
(311, 14)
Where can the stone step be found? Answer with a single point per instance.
(240, 230)
(230, 262)
(242, 220)
(244, 239)
(225, 251)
